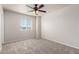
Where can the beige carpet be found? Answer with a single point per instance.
(37, 46)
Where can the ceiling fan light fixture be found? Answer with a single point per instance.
(37, 8)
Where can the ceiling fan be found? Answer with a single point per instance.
(36, 8)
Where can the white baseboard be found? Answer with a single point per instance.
(64, 44)
(0, 49)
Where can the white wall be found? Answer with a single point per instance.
(1, 27)
(62, 26)
(38, 27)
(12, 27)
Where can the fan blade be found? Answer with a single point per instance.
(29, 6)
(41, 6)
(42, 11)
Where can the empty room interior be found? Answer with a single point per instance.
(39, 29)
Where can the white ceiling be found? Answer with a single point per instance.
(22, 8)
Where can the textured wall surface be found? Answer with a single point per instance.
(62, 26)
(1, 27)
(12, 27)
(38, 27)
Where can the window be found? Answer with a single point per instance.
(26, 24)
